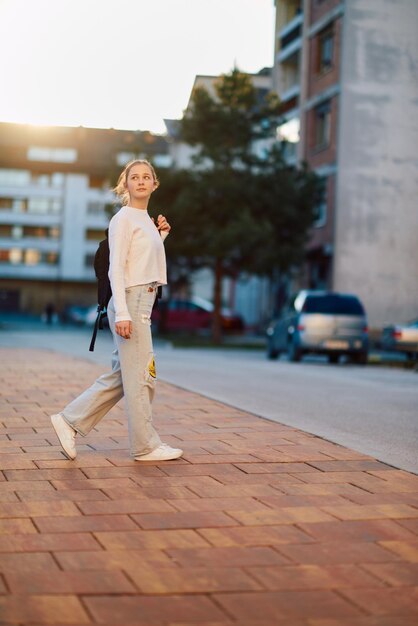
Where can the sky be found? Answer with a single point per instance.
(124, 64)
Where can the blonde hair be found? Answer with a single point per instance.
(120, 190)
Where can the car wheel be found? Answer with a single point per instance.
(272, 353)
(294, 353)
(361, 359)
(333, 358)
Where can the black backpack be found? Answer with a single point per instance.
(104, 290)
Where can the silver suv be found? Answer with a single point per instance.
(320, 322)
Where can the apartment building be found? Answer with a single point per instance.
(55, 202)
(346, 74)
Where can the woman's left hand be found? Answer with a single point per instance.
(162, 224)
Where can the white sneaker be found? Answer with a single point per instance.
(164, 452)
(65, 434)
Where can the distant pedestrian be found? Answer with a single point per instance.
(137, 268)
(49, 313)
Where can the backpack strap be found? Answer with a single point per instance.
(97, 324)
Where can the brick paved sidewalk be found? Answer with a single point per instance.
(258, 525)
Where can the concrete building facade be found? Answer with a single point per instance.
(347, 75)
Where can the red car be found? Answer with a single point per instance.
(196, 313)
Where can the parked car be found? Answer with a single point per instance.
(178, 314)
(320, 322)
(402, 338)
(75, 315)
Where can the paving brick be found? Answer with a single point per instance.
(289, 515)
(343, 489)
(46, 609)
(158, 493)
(83, 460)
(186, 469)
(16, 526)
(227, 557)
(150, 539)
(364, 497)
(284, 501)
(358, 511)
(155, 610)
(189, 519)
(85, 523)
(132, 471)
(242, 503)
(111, 559)
(313, 577)
(36, 509)
(162, 580)
(272, 606)
(357, 531)
(254, 536)
(46, 474)
(26, 485)
(220, 458)
(260, 479)
(94, 483)
(394, 574)
(364, 465)
(93, 581)
(410, 524)
(143, 505)
(27, 562)
(370, 620)
(336, 552)
(407, 550)
(15, 462)
(78, 495)
(47, 542)
(274, 468)
(395, 602)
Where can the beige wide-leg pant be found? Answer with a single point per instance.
(133, 375)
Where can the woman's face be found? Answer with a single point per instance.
(140, 182)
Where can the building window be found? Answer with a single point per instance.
(14, 178)
(288, 134)
(93, 234)
(320, 209)
(44, 205)
(43, 232)
(89, 261)
(325, 50)
(17, 205)
(17, 232)
(55, 155)
(30, 256)
(122, 158)
(5, 230)
(322, 125)
(95, 208)
(48, 180)
(294, 34)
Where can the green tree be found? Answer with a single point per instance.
(239, 208)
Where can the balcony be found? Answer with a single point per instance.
(294, 23)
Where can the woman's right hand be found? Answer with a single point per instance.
(124, 328)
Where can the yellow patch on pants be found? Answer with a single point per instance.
(151, 368)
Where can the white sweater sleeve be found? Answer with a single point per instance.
(164, 234)
(120, 234)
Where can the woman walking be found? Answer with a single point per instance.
(137, 268)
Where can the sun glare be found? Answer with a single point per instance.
(76, 63)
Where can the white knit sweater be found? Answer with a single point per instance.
(137, 255)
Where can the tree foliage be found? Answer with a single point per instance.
(241, 207)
